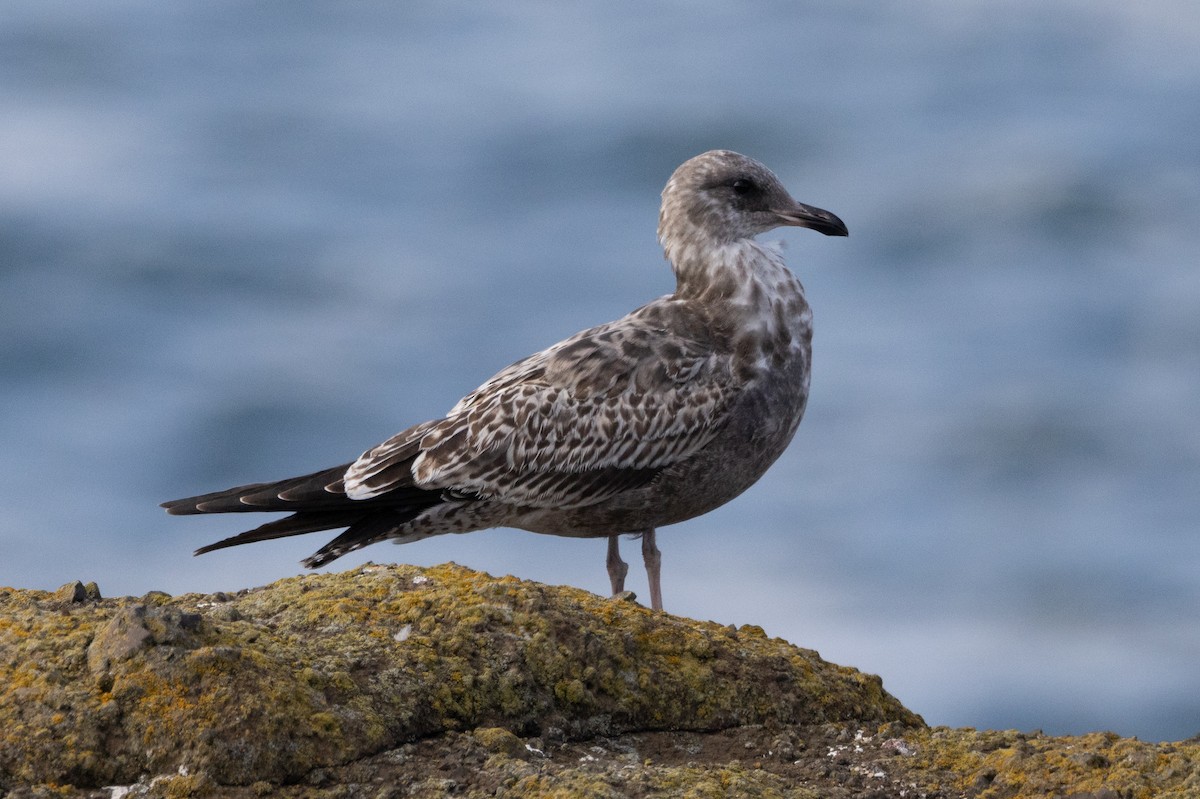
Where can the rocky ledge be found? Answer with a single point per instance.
(397, 681)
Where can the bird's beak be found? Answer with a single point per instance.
(801, 215)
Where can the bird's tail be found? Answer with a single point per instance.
(317, 491)
(317, 502)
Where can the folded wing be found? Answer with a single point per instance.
(595, 415)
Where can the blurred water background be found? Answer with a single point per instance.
(242, 241)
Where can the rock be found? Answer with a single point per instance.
(401, 681)
(124, 634)
(133, 628)
(500, 741)
(78, 592)
(71, 592)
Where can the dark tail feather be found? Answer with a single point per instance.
(317, 502)
(318, 492)
(296, 524)
(363, 528)
(366, 530)
(315, 491)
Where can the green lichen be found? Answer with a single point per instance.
(303, 686)
(1015, 765)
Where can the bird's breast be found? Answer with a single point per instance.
(769, 322)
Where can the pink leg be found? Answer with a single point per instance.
(617, 568)
(653, 560)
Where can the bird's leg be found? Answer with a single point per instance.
(617, 568)
(653, 560)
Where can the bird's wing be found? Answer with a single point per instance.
(600, 412)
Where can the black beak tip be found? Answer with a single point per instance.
(830, 225)
(817, 219)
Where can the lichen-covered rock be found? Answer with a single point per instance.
(399, 681)
(321, 670)
(135, 628)
(1095, 766)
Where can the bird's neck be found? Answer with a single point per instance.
(743, 272)
(754, 303)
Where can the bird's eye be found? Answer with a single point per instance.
(743, 186)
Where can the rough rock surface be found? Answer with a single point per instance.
(396, 681)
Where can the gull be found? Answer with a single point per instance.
(652, 419)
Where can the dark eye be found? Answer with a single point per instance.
(744, 186)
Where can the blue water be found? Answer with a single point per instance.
(238, 242)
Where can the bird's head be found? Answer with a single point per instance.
(720, 197)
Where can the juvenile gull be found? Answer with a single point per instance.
(652, 419)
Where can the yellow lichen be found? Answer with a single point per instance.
(326, 669)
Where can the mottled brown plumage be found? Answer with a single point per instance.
(652, 419)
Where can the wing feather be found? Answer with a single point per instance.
(594, 415)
